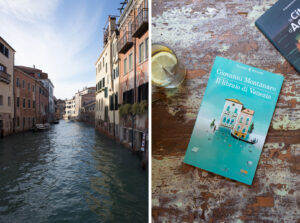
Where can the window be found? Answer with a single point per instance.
(235, 110)
(29, 86)
(117, 72)
(143, 92)
(111, 102)
(23, 83)
(18, 121)
(1, 100)
(224, 119)
(228, 108)
(128, 97)
(8, 101)
(24, 102)
(32, 88)
(247, 121)
(103, 82)
(141, 52)
(238, 128)
(241, 119)
(4, 50)
(18, 102)
(130, 62)
(244, 130)
(18, 83)
(105, 92)
(146, 48)
(33, 104)
(116, 101)
(2, 68)
(232, 121)
(228, 120)
(125, 66)
(28, 103)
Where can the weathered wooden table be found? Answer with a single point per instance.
(198, 31)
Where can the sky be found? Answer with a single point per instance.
(61, 37)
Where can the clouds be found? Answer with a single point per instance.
(28, 10)
(59, 37)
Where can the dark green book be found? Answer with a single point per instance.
(281, 25)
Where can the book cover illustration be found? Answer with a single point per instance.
(233, 120)
(281, 25)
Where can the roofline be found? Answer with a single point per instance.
(106, 45)
(7, 43)
(229, 99)
(15, 68)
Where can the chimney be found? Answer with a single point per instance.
(33, 66)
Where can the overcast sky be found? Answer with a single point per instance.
(61, 37)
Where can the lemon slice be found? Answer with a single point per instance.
(162, 64)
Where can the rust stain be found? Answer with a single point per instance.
(264, 202)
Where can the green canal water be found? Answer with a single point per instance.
(70, 174)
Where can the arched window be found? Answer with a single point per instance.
(244, 130)
(241, 119)
(228, 108)
(224, 119)
(232, 121)
(235, 110)
(247, 121)
(238, 128)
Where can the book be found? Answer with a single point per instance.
(233, 120)
(281, 25)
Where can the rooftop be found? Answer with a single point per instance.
(234, 100)
(248, 111)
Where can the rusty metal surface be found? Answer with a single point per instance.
(198, 31)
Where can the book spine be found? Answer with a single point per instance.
(260, 27)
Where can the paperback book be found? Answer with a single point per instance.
(281, 25)
(233, 120)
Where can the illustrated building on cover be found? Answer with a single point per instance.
(243, 122)
(237, 118)
(231, 110)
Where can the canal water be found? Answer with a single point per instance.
(70, 173)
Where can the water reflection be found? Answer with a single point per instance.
(70, 174)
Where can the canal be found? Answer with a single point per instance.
(70, 173)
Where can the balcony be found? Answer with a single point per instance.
(140, 24)
(5, 77)
(125, 42)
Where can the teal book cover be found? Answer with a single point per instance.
(281, 25)
(233, 120)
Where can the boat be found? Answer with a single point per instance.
(41, 127)
(251, 142)
(56, 121)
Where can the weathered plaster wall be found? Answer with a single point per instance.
(198, 31)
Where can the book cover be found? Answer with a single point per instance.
(233, 120)
(281, 25)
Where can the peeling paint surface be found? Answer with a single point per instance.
(198, 31)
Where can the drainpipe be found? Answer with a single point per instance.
(134, 91)
(112, 83)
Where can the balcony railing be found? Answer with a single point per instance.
(140, 24)
(125, 42)
(5, 77)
